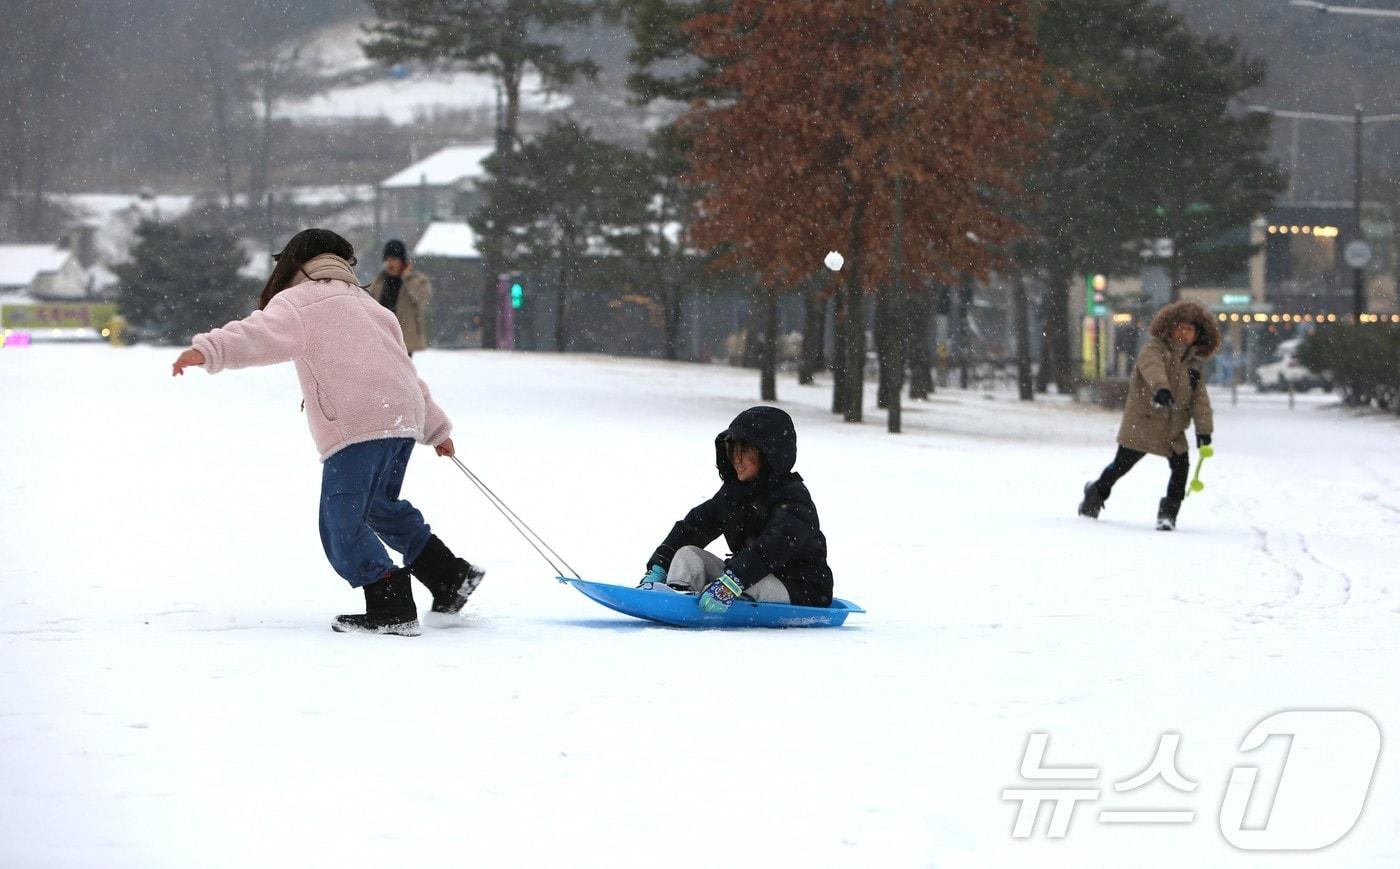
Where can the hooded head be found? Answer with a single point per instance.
(769, 429)
(1207, 333)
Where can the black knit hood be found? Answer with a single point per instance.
(769, 429)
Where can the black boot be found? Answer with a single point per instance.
(1093, 501)
(389, 609)
(1167, 509)
(451, 579)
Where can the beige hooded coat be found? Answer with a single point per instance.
(1164, 364)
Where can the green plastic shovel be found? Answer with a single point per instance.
(1205, 452)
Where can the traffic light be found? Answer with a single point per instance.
(517, 293)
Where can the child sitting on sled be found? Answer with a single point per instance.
(1167, 394)
(767, 517)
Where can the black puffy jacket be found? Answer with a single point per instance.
(770, 523)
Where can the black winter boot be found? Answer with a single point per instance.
(451, 579)
(389, 609)
(1167, 509)
(1093, 501)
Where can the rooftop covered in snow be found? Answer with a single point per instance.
(448, 240)
(442, 168)
(20, 264)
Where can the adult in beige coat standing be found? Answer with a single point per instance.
(1167, 394)
(406, 291)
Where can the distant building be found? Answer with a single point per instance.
(42, 272)
(1303, 265)
(441, 187)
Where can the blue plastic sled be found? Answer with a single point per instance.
(681, 610)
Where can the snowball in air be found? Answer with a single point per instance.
(834, 261)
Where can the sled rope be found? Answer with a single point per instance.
(524, 530)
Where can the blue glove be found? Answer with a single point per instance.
(718, 595)
(655, 576)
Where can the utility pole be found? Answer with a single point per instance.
(489, 309)
(1358, 285)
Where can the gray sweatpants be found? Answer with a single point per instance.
(695, 568)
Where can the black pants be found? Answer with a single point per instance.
(1126, 458)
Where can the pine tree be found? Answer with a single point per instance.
(1207, 170)
(501, 38)
(1141, 104)
(182, 281)
(664, 59)
(562, 196)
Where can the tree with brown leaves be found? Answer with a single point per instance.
(838, 106)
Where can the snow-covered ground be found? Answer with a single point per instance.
(171, 694)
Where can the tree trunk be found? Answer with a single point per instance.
(512, 118)
(1021, 313)
(896, 356)
(1174, 273)
(262, 174)
(670, 291)
(755, 333)
(489, 292)
(813, 335)
(672, 314)
(37, 224)
(855, 356)
(920, 363)
(768, 381)
(492, 260)
(561, 290)
(884, 347)
(840, 337)
(854, 390)
(1057, 333)
(957, 330)
(1042, 375)
(219, 96)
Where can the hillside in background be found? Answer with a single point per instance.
(145, 112)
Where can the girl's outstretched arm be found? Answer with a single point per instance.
(188, 358)
(264, 337)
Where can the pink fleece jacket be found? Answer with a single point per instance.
(356, 378)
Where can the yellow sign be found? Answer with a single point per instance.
(57, 315)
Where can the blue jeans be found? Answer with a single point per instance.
(360, 506)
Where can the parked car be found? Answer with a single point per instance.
(1285, 371)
